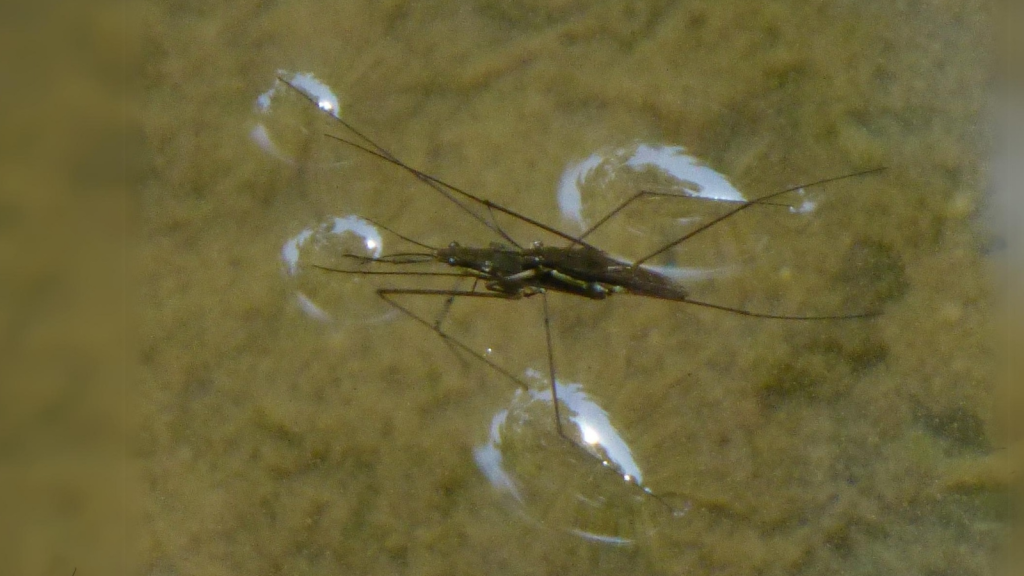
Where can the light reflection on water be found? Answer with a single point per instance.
(329, 296)
(584, 179)
(517, 463)
(268, 132)
(755, 87)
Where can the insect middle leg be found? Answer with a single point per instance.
(387, 293)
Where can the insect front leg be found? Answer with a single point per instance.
(445, 310)
(387, 294)
(447, 306)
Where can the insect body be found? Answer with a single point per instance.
(577, 270)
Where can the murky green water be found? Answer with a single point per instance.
(270, 443)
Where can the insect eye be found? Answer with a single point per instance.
(538, 244)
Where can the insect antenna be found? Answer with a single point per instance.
(396, 258)
(327, 268)
(402, 236)
(743, 207)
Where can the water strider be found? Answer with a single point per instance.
(508, 270)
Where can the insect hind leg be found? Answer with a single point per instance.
(653, 194)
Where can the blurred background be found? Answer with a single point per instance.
(167, 408)
(63, 174)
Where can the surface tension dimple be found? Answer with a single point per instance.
(596, 184)
(523, 460)
(272, 131)
(321, 298)
(582, 181)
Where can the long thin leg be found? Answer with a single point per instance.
(551, 370)
(661, 499)
(653, 194)
(384, 294)
(743, 207)
(446, 308)
(742, 312)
